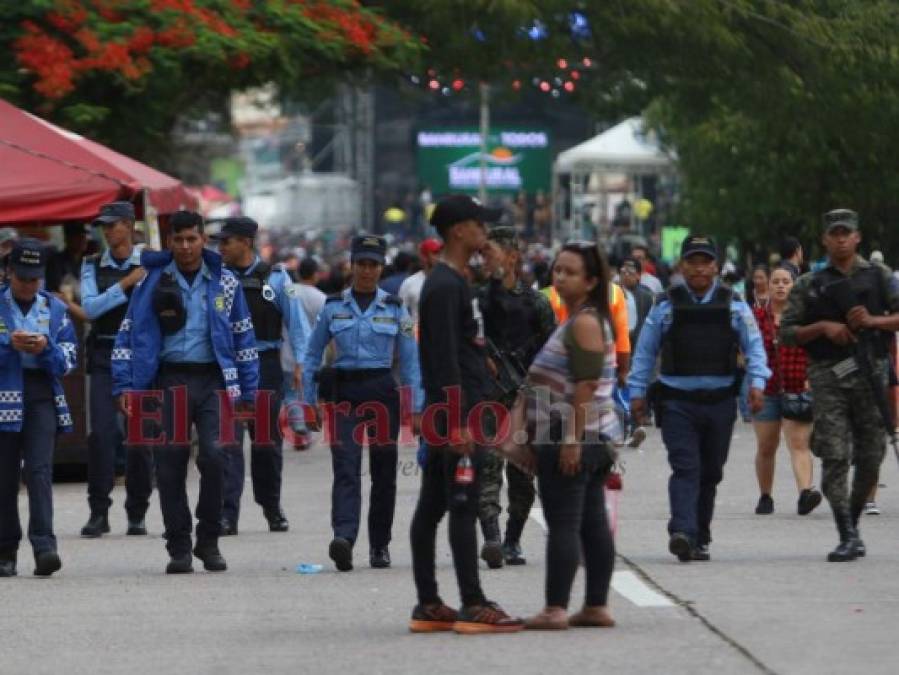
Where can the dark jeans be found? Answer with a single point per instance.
(103, 443)
(266, 459)
(697, 436)
(438, 495)
(202, 410)
(346, 459)
(35, 444)
(575, 512)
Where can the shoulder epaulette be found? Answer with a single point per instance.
(334, 297)
(92, 258)
(393, 300)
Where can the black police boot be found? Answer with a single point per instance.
(680, 545)
(379, 557)
(492, 550)
(8, 564)
(341, 552)
(46, 563)
(511, 543)
(277, 521)
(180, 564)
(208, 552)
(97, 525)
(859, 544)
(136, 527)
(229, 528)
(848, 547)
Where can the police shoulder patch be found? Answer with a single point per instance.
(407, 327)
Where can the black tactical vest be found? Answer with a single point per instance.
(701, 339)
(830, 297)
(107, 325)
(266, 315)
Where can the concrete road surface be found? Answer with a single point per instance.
(767, 603)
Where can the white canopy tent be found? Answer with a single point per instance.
(611, 163)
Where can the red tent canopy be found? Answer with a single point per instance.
(48, 174)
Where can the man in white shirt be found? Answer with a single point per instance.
(312, 300)
(410, 290)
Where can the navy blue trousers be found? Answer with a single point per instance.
(202, 411)
(35, 445)
(697, 437)
(103, 443)
(266, 459)
(371, 401)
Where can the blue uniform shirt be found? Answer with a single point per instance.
(96, 304)
(658, 322)
(36, 321)
(364, 340)
(193, 343)
(294, 320)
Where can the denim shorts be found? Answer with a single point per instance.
(772, 411)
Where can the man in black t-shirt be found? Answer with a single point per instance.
(454, 373)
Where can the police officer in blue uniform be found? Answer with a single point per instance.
(188, 333)
(699, 328)
(274, 307)
(368, 326)
(37, 347)
(107, 281)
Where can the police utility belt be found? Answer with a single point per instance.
(329, 379)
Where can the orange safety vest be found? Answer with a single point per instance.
(617, 305)
(555, 301)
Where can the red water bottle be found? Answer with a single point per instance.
(464, 471)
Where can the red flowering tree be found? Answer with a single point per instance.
(124, 70)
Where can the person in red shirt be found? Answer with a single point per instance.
(788, 367)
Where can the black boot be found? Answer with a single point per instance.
(492, 550)
(277, 521)
(859, 544)
(8, 564)
(511, 542)
(847, 549)
(97, 525)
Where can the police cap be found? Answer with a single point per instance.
(504, 235)
(237, 226)
(28, 259)
(699, 244)
(114, 212)
(368, 247)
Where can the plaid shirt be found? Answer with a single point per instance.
(788, 364)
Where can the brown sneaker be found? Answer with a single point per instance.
(486, 618)
(432, 618)
(596, 617)
(554, 618)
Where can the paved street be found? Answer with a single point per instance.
(768, 602)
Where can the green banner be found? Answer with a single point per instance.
(449, 160)
(672, 238)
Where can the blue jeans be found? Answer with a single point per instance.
(35, 444)
(697, 437)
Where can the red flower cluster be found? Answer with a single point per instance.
(352, 27)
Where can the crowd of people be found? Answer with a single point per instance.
(506, 361)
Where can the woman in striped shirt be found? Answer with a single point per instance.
(575, 372)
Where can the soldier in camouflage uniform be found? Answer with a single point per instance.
(517, 321)
(845, 316)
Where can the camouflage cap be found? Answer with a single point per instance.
(840, 218)
(504, 235)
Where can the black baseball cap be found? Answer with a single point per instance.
(114, 212)
(368, 247)
(28, 259)
(237, 226)
(840, 218)
(459, 208)
(699, 244)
